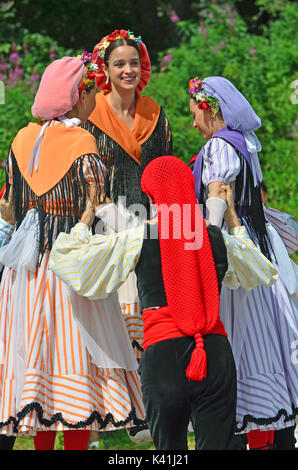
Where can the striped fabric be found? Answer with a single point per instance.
(248, 267)
(48, 379)
(49, 376)
(118, 253)
(262, 327)
(285, 226)
(74, 255)
(95, 265)
(263, 331)
(225, 167)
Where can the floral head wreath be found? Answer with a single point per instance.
(99, 53)
(90, 71)
(117, 34)
(197, 92)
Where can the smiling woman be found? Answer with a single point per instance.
(131, 130)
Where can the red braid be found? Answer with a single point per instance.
(189, 274)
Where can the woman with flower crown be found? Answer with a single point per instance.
(262, 325)
(67, 362)
(130, 130)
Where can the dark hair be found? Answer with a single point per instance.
(264, 187)
(90, 87)
(118, 43)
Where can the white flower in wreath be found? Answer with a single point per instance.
(93, 67)
(200, 96)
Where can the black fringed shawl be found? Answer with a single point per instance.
(60, 208)
(124, 172)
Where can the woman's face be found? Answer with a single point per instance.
(202, 120)
(124, 68)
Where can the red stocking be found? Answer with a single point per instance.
(260, 440)
(44, 440)
(76, 440)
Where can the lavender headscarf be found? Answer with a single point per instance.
(241, 121)
(236, 110)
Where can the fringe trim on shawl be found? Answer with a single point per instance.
(60, 208)
(124, 172)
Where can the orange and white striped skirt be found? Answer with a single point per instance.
(48, 378)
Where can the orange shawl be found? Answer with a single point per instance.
(146, 117)
(60, 147)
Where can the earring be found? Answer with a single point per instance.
(107, 79)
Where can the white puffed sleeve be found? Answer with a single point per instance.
(220, 162)
(94, 266)
(247, 266)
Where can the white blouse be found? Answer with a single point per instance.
(220, 162)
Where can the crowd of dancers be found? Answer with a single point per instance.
(138, 291)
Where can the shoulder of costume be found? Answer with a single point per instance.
(82, 135)
(58, 152)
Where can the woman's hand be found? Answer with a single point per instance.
(7, 209)
(230, 216)
(88, 214)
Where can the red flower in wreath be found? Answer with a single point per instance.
(203, 105)
(91, 75)
(82, 87)
(123, 33)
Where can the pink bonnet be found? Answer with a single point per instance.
(58, 90)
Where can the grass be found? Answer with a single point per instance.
(112, 440)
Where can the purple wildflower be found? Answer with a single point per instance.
(203, 31)
(174, 17)
(3, 66)
(167, 59)
(86, 56)
(14, 57)
(52, 53)
(34, 78)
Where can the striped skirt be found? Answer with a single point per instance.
(48, 380)
(263, 332)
